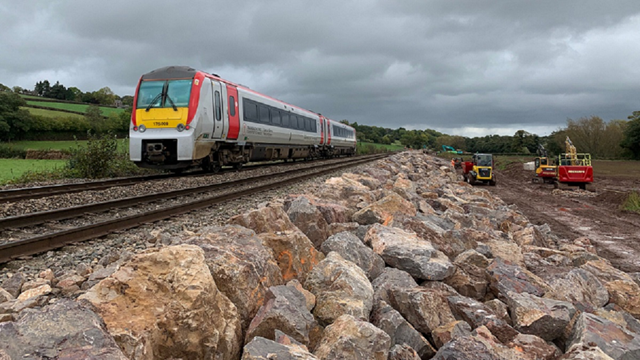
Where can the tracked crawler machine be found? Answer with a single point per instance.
(546, 172)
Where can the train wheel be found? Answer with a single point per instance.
(237, 166)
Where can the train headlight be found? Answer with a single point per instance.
(142, 128)
(180, 127)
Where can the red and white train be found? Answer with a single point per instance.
(185, 118)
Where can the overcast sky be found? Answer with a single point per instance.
(468, 68)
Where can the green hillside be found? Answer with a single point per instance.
(80, 108)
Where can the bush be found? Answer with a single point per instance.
(9, 152)
(632, 203)
(100, 158)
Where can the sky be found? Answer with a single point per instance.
(468, 67)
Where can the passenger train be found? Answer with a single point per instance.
(184, 118)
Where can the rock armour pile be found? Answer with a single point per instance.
(399, 260)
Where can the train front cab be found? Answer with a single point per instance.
(161, 134)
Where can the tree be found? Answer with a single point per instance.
(42, 88)
(58, 91)
(74, 94)
(524, 142)
(105, 96)
(631, 139)
(4, 88)
(14, 122)
(585, 134)
(127, 100)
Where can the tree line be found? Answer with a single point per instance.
(615, 139)
(58, 91)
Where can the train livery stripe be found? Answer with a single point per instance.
(134, 121)
(198, 79)
(234, 120)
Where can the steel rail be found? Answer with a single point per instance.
(80, 210)
(52, 241)
(13, 195)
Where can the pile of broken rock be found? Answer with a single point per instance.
(397, 261)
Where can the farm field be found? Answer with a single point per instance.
(82, 108)
(52, 113)
(14, 168)
(391, 147)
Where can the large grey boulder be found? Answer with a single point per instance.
(353, 339)
(407, 252)
(340, 287)
(426, 309)
(477, 314)
(242, 267)
(65, 330)
(538, 316)
(400, 330)
(613, 340)
(285, 309)
(351, 248)
(260, 349)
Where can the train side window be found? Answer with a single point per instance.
(218, 107)
(232, 106)
(264, 114)
(250, 111)
(301, 123)
(285, 120)
(275, 117)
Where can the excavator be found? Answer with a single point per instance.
(545, 171)
(450, 149)
(574, 169)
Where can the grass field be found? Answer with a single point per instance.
(106, 111)
(52, 113)
(392, 147)
(57, 145)
(14, 168)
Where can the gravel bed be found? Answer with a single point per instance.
(149, 187)
(10, 235)
(101, 252)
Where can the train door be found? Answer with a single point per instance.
(218, 123)
(234, 115)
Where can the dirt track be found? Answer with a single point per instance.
(615, 233)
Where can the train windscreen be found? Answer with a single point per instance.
(164, 93)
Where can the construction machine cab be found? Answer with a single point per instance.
(479, 169)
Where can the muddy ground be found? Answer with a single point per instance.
(614, 232)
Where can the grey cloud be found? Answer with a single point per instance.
(499, 65)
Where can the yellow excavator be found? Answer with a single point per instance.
(545, 171)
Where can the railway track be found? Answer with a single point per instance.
(13, 195)
(15, 249)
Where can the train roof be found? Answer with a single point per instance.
(170, 72)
